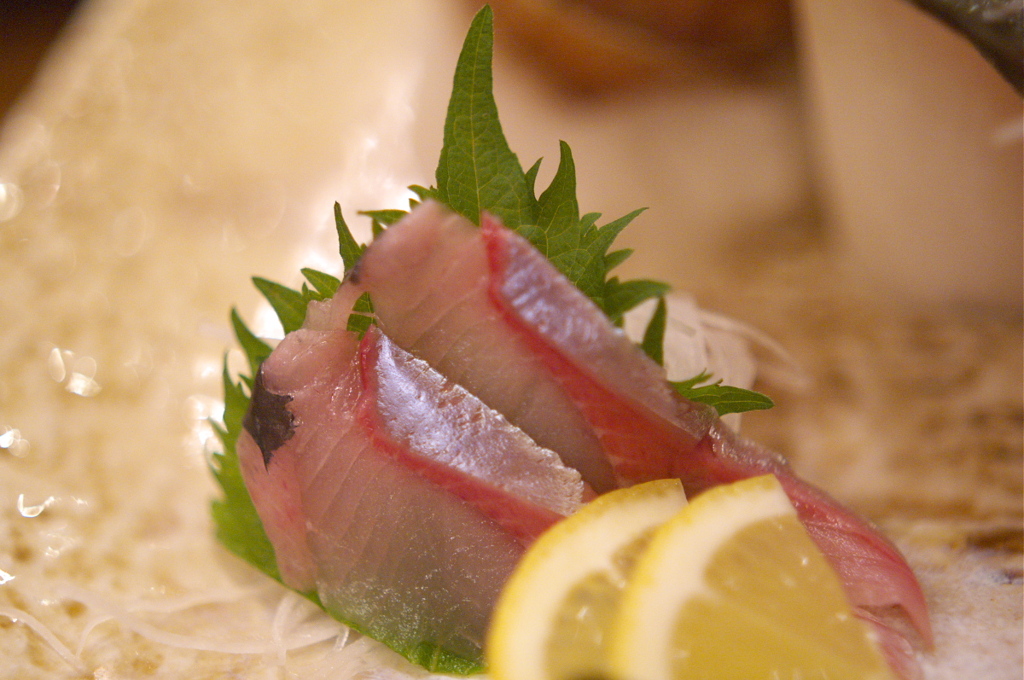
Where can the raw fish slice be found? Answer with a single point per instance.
(404, 538)
(271, 436)
(496, 469)
(429, 292)
(415, 407)
(584, 355)
(405, 561)
(396, 556)
(895, 646)
(282, 520)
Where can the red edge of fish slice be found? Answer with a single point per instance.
(521, 519)
(668, 451)
(602, 408)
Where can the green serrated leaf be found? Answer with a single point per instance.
(622, 296)
(308, 294)
(384, 217)
(325, 284)
(727, 399)
(559, 212)
(477, 170)
(349, 249)
(362, 315)
(607, 233)
(531, 178)
(423, 193)
(255, 349)
(573, 244)
(438, 660)
(235, 403)
(288, 304)
(723, 398)
(681, 385)
(560, 236)
(653, 343)
(616, 257)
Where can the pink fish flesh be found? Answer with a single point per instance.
(478, 303)
(406, 539)
(699, 451)
(449, 437)
(427, 279)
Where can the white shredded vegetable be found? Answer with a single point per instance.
(287, 632)
(37, 627)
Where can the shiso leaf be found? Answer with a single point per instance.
(653, 343)
(477, 172)
(616, 257)
(255, 351)
(349, 249)
(362, 315)
(622, 296)
(723, 398)
(385, 218)
(289, 305)
(325, 284)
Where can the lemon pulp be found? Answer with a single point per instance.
(552, 618)
(733, 587)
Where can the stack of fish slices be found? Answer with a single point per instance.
(406, 471)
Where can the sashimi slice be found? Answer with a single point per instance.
(316, 369)
(397, 535)
(482, 305)
(429, 292)
(624, 413)
(394, 555)
(295, 366)
(418, 409)
(611, 397)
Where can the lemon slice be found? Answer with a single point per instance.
(733, 587)
(552, 615)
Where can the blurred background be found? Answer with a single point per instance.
(876, 129)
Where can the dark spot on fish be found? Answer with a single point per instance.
(268, 419)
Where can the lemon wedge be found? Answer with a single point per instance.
(733, 587)
(551, 619)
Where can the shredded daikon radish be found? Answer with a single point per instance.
(699, 341)
(773, 362)
(37, 627)
(170, 605)
(303, 634)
